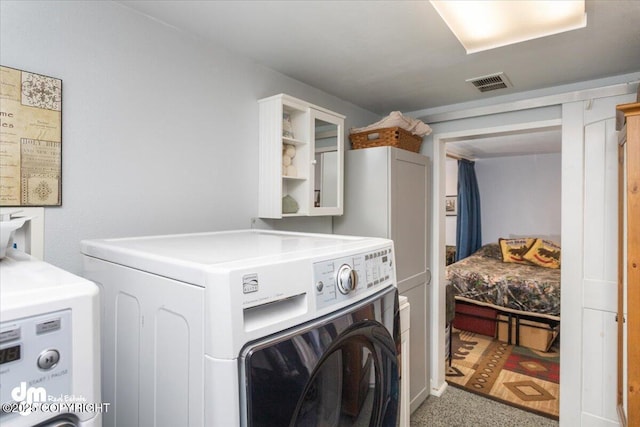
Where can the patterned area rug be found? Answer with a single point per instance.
(517, 376)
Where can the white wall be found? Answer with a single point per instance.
(159, 129)
(519, 195)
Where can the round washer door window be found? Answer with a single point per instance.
(348, 388)
(353, 381)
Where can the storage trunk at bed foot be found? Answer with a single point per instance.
(475, 318)
(534, 335)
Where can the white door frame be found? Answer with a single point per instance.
(438, 309)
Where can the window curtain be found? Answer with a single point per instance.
(468, 225)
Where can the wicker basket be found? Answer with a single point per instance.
(394, 137)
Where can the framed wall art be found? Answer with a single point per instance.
(30, 139)
(451, 205)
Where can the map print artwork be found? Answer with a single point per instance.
(30, 139)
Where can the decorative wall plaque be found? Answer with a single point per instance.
(30, 139)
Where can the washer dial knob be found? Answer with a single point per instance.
(346, 278)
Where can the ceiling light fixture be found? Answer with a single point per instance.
(483, 25)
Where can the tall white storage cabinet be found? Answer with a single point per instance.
(386, 195)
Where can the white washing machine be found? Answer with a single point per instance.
(251, 328)
(49, 346)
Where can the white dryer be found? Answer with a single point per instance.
(49, 346)
(251, 328)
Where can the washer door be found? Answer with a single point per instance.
(342, 371)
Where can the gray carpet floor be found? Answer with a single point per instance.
(459, 408)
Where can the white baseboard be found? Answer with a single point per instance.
(437, 391)
(590, 420)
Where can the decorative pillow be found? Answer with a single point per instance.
(490, 250)
(544, 253)
(513, 250)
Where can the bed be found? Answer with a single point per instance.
(485, 279)
(516, 292)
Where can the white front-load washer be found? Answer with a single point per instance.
(49, 346)
(251, 328)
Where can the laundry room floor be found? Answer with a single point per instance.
(457, 407)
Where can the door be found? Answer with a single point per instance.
(328, 144)
(409, 225)
(589, 262)
(340, 371)
(628, 396)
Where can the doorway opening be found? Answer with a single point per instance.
(504, 157)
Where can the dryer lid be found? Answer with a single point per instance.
(185, 256)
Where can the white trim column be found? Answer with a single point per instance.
(572, 218)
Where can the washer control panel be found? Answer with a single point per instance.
(341, 279)
(35, 355)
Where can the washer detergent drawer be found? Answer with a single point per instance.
(338, 370)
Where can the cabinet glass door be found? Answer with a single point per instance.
(328, 136)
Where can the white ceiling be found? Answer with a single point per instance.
(536, 141)
(399, 55)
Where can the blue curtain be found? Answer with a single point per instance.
(468, 230)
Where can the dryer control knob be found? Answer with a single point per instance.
(346, 278)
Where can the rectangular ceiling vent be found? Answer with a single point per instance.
(491, 82)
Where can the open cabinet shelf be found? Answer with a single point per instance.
(301, 157)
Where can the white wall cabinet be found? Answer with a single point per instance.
(301, 158)
(386, 195)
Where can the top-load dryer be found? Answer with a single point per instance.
(253, 327)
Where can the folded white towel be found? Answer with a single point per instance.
(290, 150)
(396, 119)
